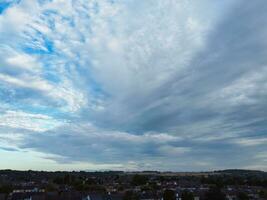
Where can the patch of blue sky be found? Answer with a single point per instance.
(69, 20)
(97, 90)
(19, 100)
(47, 48)
(12, 103)
(88, 81)
(94, 87)
(48, 18)
(50, 64)
(6, 101)
(52, 77)
(6, 94)
(5, 4)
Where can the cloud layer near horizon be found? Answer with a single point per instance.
(166, 85)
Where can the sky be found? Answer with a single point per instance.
(170, 85)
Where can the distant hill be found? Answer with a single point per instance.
(217, 172)
(243, 173)
(240, 171)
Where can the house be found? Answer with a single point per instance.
(2, 196)
(27, 196)
(231, 197)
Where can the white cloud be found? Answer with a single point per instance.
(169, 151)
(251, 141)
(29, 121)
(245, 90)
(23, 61)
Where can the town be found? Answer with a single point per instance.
(145, 185)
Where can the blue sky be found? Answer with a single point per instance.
(133, 85)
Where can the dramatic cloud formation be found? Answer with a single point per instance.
(116, 84)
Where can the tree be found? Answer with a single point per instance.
(90, 181)
(186, 195)
(139, 180)
(129, 195)
(67, 179)
(263, 194)
(215, 193)
(169, 195)
(50, 187)
(6, 189)
(242, 196)
(58, 180)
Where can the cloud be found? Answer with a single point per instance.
(251, 141)
(82, 142)
(28, 121)
(8, 149)
(129, 85)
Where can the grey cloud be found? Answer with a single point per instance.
(8, 149)
(150, 151)
(236, 49)
(90, 144)
(193, 103)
